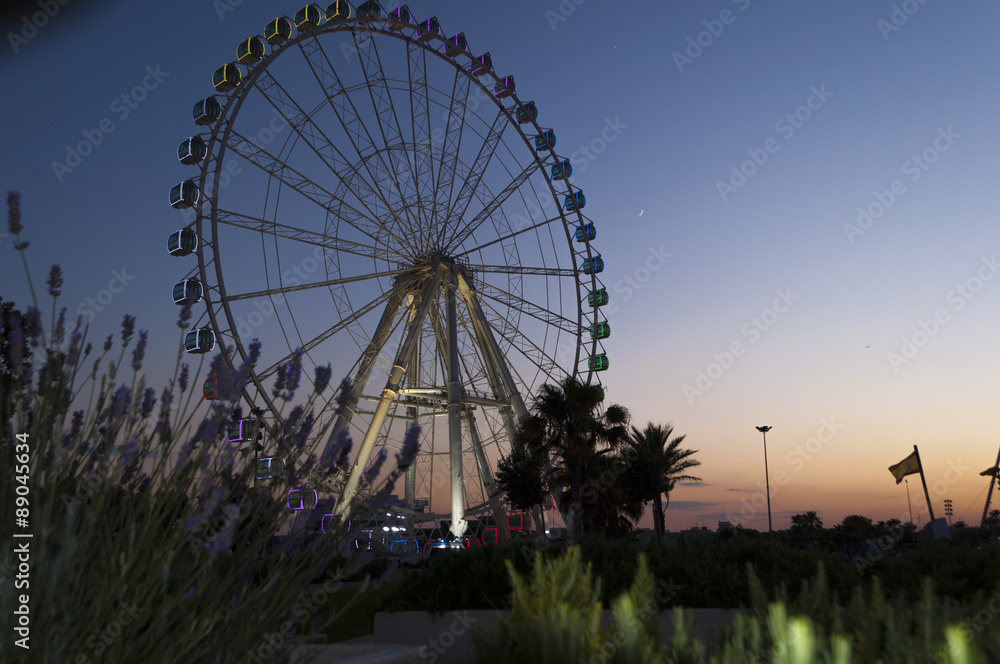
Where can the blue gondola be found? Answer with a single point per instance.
(504, 87)
(187, 291)
(562, 170)
(482, 65)
(184, 194)
(369, 12)
(206, 111)
(201, 340)
(586, 233)
(182, 243)
(575, 201)
(593, 265)
(242, 431)
(399, 18)
(546, 140)
(429, 29)
(339, 11)
(527, 112)
(278, 31)
(598, 362)
(192, 150)
(270, 468)
(302, 499)
(227, 77)
(598, 298)
(600, 330)
(250, 51)
(307, 18)
(457, 45)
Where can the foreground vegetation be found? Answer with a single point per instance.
(555, 617)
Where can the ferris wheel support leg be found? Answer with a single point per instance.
(410, 478)
(368, 363)
(385, 401)
(458, 522)
(482, 463)
(492, 350)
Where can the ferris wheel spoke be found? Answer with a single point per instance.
(319, 284)
(445, 186)
(325, 242)
(537, 271)
(317, 140)
(539, 313)
(290, 177)
(491, 207)
(530, 350)
(357, 315)
(505, 238)
(380, 174)
(471, 185)
(420, 120)
(387, 117)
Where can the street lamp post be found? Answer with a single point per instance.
(767, 479)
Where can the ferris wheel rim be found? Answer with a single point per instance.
(228, 120)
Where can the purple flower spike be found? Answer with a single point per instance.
(55, 281)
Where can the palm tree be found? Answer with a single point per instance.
(568, 426)
(656, 464)
(807, 523)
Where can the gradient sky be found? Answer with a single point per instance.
(819, 305)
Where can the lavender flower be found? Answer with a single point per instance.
(15, 339)
(371, 473)
(129, 451)
(190, 592)
(59, 333)
(335, 448)
(148, 401)
(128, 327)
(120, 402)
(411, 447)
(14, 213)
(33, 326)
(163, 421)
(343, 394)
(254, 353)
(140, 350)
(184, 319)
(55, 281)
(107, 343)
(323, 375)
(183, 379)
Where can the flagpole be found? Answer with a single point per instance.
(923, 481)
(908, 499)
(993, 479)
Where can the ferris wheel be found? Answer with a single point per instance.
(370, 194)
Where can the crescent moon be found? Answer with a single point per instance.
(641, 211)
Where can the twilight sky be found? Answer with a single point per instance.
(792, 202)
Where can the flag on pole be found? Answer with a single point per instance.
(990, 471)
(907, 466)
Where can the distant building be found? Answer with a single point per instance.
(724, 525)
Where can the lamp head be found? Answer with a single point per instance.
(764, 429)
